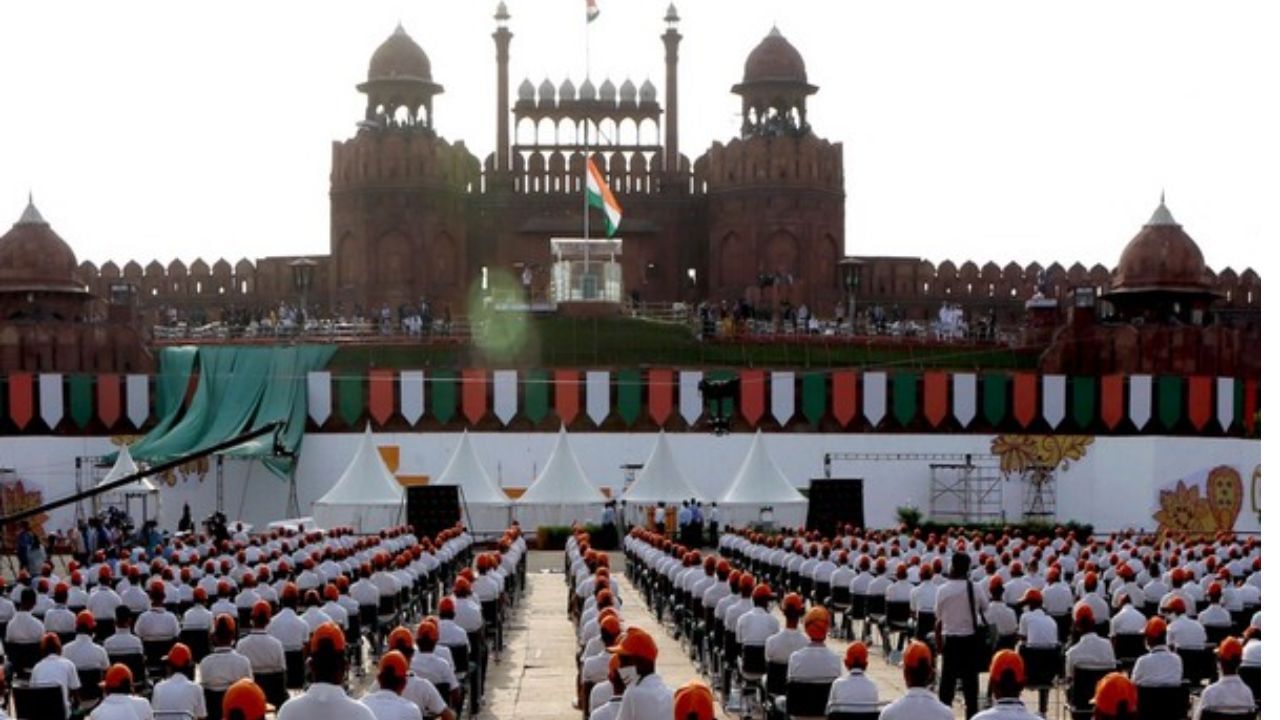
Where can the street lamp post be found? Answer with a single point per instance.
(303, 275)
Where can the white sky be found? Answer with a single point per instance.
(997, 130)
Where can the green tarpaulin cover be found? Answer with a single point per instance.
(239, 389)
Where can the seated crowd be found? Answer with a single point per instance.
(1131, 626)
(276, 623)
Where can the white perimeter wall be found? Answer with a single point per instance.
(1115, 485)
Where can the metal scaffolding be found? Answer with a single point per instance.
(963, 487)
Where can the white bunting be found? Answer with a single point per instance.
(782, 390)
(137, 399)
(51, 399)
(1226, 402)
(598, 395)
(873, 392)
(1055, 398)
(411, 402)
(964, 397)
(1140, 400)
(319, 402)
(504, 394)
(690, 396)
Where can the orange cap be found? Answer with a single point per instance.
(856, 656)
(1230, 649)
(85, 622)
(400, 639)
(693, 701)
(119, 678)
(635, 642)
(461, 585)
(224, 626)
(429, 628)
(917, 653)
(261, 611)
(1176, 605)
(1156, 628)
(1115, 695)
(1008, 661)
(792, 602)
(1083, 612)
(611, 625)
(328, 637)
(245, 697)
(762, 592)
(816, 623)
(446, 605)
(1032, 595)
(395, 662)
(331, 593)
(179, 656)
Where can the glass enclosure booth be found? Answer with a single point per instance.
(586, 270)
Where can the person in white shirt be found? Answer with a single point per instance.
(118, 701)
(53, 669)
(287, 627)
(223, 666)
(386, 703)
(1091, 651)
(1252, 647)
(854, 692)
(198, 616)
(1229, 694)
(424, 695)
(694, 701)
(83, 652)
(779, 647)
(1215, 615)
(265, 652)
(24, 628)
(815, 662)
(58, 619)
(757, 625)
(600, 707)
(1127, 620)
(1001, 616)
(1184, 633)
(1008, 677)
(325, 698)
(123, 641)
(956, 632)
(156, 623)
(436, 668)
(919, 702)
(647, 696)
(1160, 667)
(1036, 629)
(177, 693)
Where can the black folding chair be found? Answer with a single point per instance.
(1128, 648)
(90, 685)
(295, 669)
(1162, 703)
(1252, 676)
(1233, 714)
(1198, 665)
(39, 702)
(1082, 683)
(137, 664)
(22, 657)
(154, 651)
(273, 686)
(808, 699)
(196, 640)
(213, 702)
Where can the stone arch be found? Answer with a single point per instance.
(394, 260)
(737, 262)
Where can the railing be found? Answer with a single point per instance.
(362, 331)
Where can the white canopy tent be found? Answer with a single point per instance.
(141, 492)
(561, 494)
(487, 506)
(759, 484)
(367, 496)
(659, 480)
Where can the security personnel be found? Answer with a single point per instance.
(855, 692)
(177, 693)
(647, 696)
(1008, 677)
(244, 701)
(325, 698)
(1115, 698)
(1160, 667)
(1229, 694)
(919, 703)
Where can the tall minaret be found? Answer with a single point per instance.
(502, 39)
(671, 38)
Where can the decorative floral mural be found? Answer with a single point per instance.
(1203, 503)
(1019, 453)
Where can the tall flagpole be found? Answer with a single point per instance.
(586, 158)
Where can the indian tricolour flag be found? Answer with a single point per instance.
(592, 10)
(600, 196)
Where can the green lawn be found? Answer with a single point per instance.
(543, 342)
